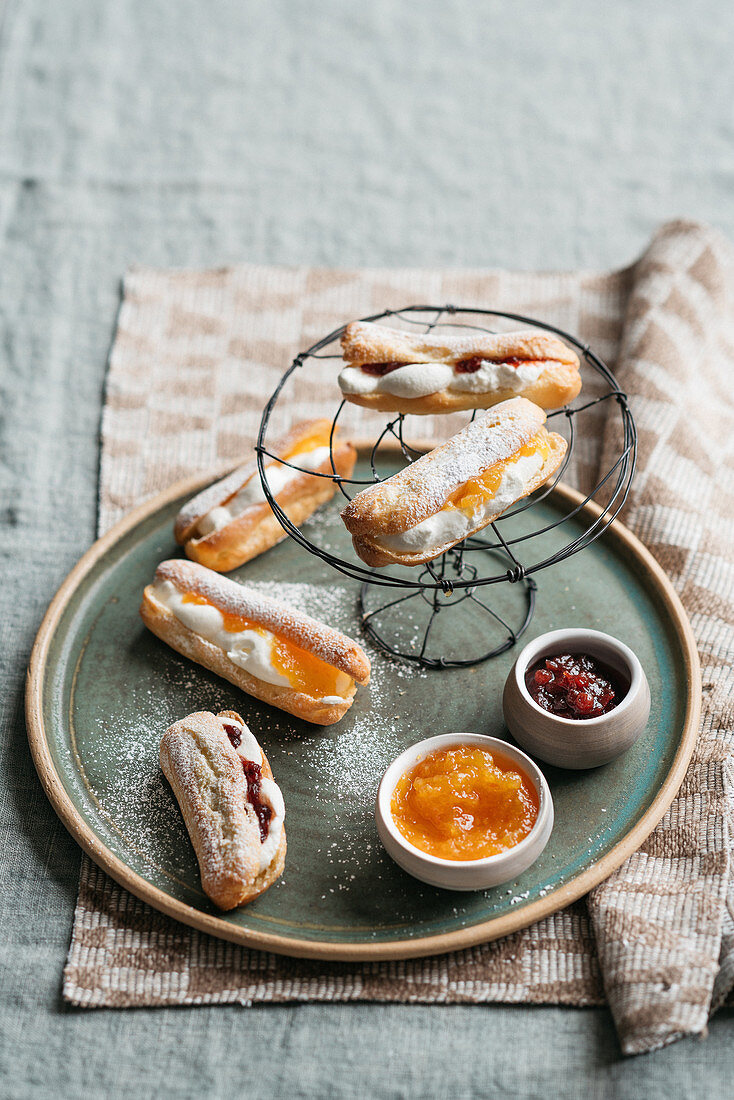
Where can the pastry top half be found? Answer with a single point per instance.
(456, 489)
(265, 637)
(466, 369)
(233, 809)
(367, 342)
(306, 445)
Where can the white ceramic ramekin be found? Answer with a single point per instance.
(471, 874)
(569, 742)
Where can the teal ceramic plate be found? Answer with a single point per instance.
(102, 690)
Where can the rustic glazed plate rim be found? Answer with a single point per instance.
(456, 939)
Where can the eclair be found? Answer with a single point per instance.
(457, 489)
(269, 650)
(231, 522)
(394, 371)
(232, 807)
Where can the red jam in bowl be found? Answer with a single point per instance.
(572, 685)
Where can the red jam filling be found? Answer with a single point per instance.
(573, 685)
(253, 775)
(463, 366)
(472, 365)
(379, 370)
(234, 733)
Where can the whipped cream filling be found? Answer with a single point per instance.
(248, 649)
(252, 491)
(422, 379)
(452, 524)
(248, 749)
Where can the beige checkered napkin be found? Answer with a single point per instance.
(194, 354)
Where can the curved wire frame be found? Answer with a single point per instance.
(452, 571)
(435, 599)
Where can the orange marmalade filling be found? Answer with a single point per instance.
(475, 492)
(317, 437)
(303, 670)
(464, 803)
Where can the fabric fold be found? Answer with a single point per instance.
(660, 919)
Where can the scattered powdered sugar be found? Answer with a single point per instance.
(351, 756)
(331, 773)
(330, 603)
(132, 794)
(421, 489)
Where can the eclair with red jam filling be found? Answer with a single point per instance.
(232, 806)
(394, 371)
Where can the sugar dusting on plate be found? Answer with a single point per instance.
(339, 765)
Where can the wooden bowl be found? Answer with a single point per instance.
(464, 874)
(586, 742)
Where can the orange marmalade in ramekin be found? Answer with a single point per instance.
(464, 803)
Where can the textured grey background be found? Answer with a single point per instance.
(195, 133)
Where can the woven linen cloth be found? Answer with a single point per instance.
(195, 355)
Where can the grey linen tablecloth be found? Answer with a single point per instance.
(197, 134)
(194, 354)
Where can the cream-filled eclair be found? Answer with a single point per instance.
(266, 648)
(394, 371)
(231, 522)
(232, 807)
(457, 489)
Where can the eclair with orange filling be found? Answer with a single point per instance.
(269, 650)
(395, 371)
(231, 522)
(457, 489)
(232, 807)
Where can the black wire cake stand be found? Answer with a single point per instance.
(506, 552)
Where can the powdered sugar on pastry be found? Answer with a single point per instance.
(270, 792)
(238, 860)
(278, 475)
(392, 370)
(452, 525)
(214, 495)
(228, 499)
(457, 489)
(421, 489)
(367, 342)
(248, 649)
(227, 596)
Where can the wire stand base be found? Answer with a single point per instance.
(419, 609)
